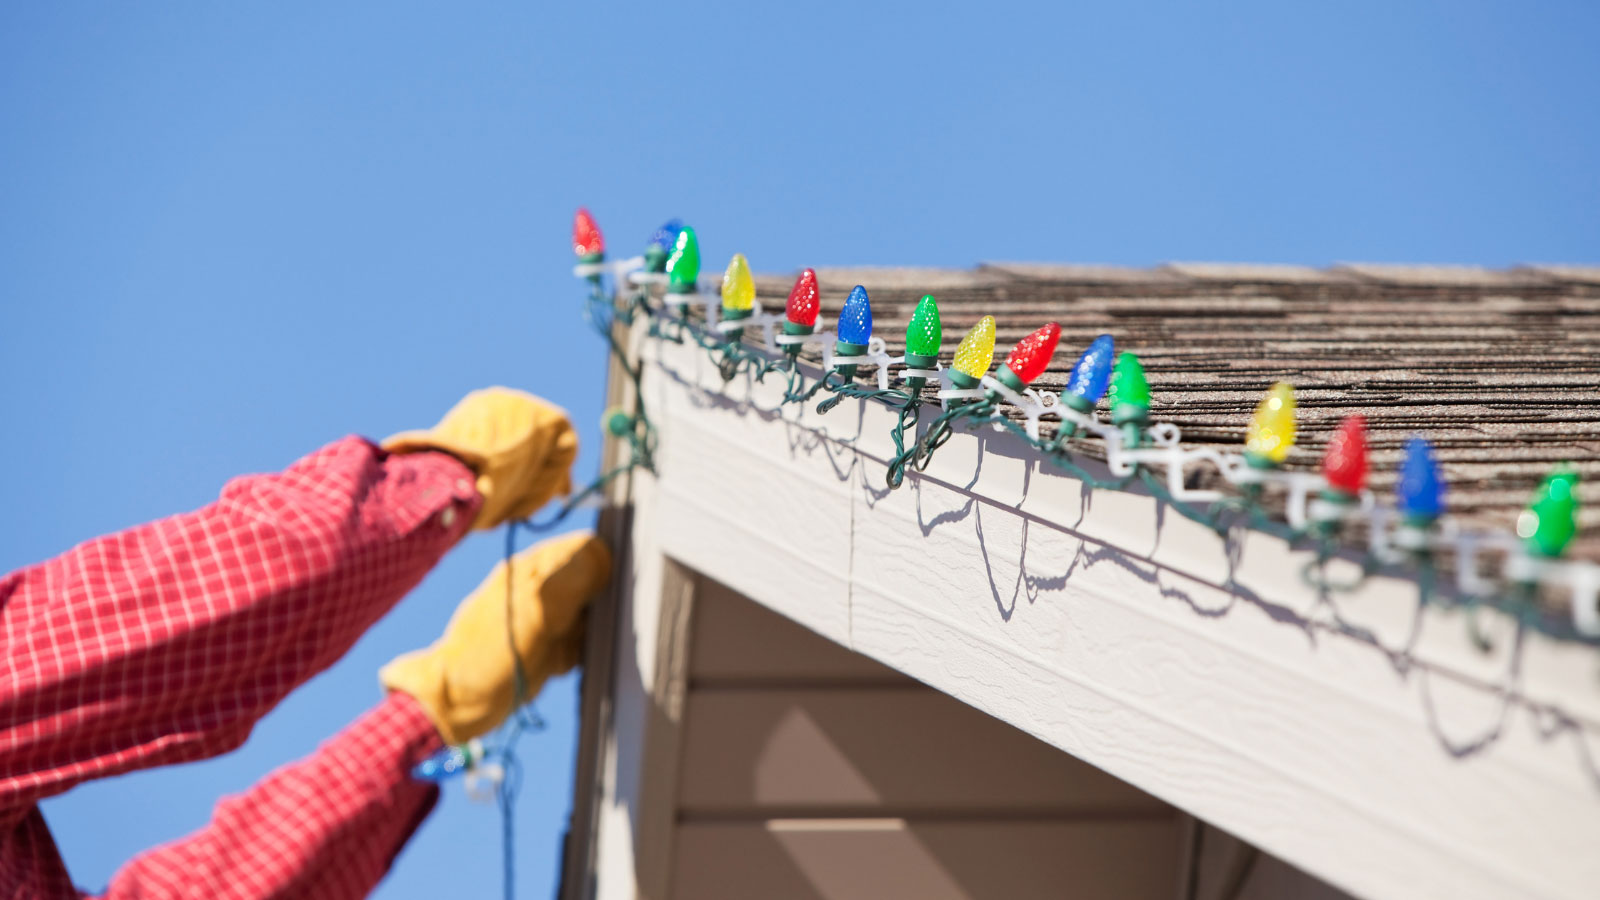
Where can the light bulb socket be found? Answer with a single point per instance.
(1010, 379)
(1259, 461)
(1131, 417)
(1132, 431)
(1328, 511)
(796, 329)
(655, 259)
(1413, 533)
(1078, 405)
(618, 423)
(846, 348)
(679, 288)
(918, 361)
(1129, 413)
(963, 381)
(592, 259)
(735, 335)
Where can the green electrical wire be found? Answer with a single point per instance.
(1220, 516)
(601, 311)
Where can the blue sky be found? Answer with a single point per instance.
(229, 235)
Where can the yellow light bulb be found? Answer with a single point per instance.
(1271, 431)
(738, 288)
(976, 350)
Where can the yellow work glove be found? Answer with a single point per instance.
(466, 681)
(520, 447)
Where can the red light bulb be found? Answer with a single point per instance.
(804, 300)
(586, 239)
(1345, 465)
(1031, 356)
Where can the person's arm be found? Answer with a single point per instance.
(168, 641)
(328, 826)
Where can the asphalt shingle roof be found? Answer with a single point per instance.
(1500, 369)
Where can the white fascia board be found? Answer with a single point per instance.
(1202, 671)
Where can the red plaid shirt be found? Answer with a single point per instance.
(166, 643)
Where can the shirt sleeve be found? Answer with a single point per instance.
(166, 642)
(328, 826)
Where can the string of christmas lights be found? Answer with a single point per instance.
(1414, 529)
(490, 768)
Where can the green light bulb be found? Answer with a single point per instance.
(683, 266)
(1551, 519)
(1130, 392)
(924, 335)
(1130, 398)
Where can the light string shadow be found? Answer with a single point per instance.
(1325, 615)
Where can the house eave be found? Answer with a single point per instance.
(1359, 737)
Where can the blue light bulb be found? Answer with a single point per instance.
(448, 762)
(1092, 375)
(855, 322)
(666, 237)
(1421, 487)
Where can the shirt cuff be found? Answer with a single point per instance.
(409, 733)
(435, 484)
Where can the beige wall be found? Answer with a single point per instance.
(806, 771)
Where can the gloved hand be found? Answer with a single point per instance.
(466, 681)
(520, 447)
